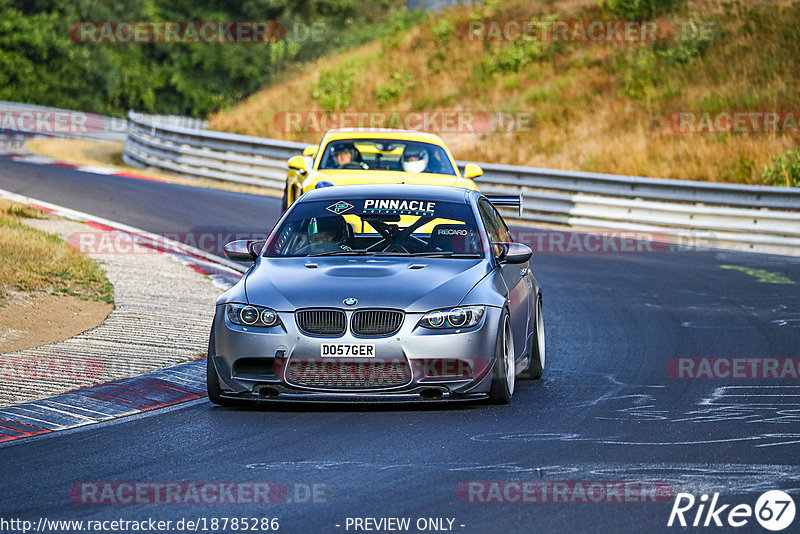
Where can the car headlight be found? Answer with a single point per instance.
(246, 315)
(461, 317)
(323, 183)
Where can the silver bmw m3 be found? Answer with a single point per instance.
(379, 293)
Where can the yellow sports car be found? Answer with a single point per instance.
(375, 156)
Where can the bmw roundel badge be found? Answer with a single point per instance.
(350, 301)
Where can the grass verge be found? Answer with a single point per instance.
(33, 261)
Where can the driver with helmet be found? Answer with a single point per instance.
(347, 156)
(415, 159)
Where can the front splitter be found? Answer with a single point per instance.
(420, 395)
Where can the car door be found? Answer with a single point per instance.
(514, 275)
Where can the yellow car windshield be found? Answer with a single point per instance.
(386, 155)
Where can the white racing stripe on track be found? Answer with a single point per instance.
(34, 159)
(96, 169)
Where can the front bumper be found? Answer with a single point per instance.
(444, 366)
(279, 393)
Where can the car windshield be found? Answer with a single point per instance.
(380, 226)
(386, 155)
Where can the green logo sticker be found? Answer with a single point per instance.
(340, 207)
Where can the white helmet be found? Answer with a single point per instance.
(415, 159)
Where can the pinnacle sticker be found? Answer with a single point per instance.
(402, 207)
(340, 207)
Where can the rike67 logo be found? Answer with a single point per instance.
(774, 510)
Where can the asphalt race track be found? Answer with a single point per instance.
(606, 409)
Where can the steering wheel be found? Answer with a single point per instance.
(354, 165)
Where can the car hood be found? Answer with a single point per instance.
(411, 284)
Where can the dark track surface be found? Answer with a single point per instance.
(605, 410)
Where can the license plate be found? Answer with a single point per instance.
(351, 350)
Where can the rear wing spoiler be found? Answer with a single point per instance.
(511, 201)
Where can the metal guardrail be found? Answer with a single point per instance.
(762, 216)
(175, 120)
(89, 125)
(207, 154)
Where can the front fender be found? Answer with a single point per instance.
(490, 291)
(235, 293)
(311, 179)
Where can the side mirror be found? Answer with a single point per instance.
(297, 163)
(513, 253)
(243, 250)
(311, 150)
(472, 171)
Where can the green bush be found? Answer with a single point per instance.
(443, 31)
(648, 67)
(513, 58)
(740, 170)
(537, 95)
(639, 9)
(334, 88)
(785, 170)
(40, 64)
(391, 91)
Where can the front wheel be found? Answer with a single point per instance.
(504, 371)
(212, 378)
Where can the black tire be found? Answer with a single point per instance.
(212, 378)
(502, 383)
(285, 202)
(537, 355)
